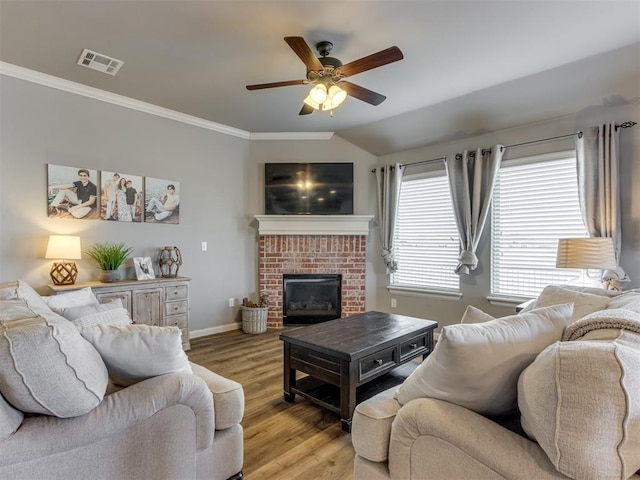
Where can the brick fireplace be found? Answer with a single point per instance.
(313, 244)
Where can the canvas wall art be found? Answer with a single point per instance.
(162, 201)
(72, 192)
(121, 197)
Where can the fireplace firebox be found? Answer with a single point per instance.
(309, 299)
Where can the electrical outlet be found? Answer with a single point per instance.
(394, 303)
(204, 246)
(231, 302)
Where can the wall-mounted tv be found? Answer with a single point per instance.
(308, 188)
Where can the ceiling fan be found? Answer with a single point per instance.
(328, 74)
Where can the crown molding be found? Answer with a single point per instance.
(127, 102)
(115, 99)
(291, 135)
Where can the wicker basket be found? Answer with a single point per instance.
(254, 320)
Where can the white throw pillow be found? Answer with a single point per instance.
(581, 402)
(77, 298)
(584, 303)
(477, 365)
(475, 315)
(10, 418)
(46, 367)
(19, 290)
(627, 300)
(135, 352)
(111, 313)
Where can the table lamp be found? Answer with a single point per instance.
(586, 253)
(64, 247)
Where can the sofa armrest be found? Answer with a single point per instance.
(450, 441)
(371, 427)
(228, 397)
(41, 436)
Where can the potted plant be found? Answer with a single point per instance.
(109, 257)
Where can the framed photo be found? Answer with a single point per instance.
(161, 201)
(144, 268)
(72, 192)
(120, 197)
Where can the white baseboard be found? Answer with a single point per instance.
(213, 330)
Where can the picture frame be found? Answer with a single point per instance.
(72, 192)
(144, 268)
(121, 197)
(161, 201)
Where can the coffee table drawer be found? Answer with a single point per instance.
(377, 363)
(414, 347)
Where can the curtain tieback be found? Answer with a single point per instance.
(389, 261)
(468, 261)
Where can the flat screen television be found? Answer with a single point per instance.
(308, 188)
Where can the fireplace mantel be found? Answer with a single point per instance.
(313, 224)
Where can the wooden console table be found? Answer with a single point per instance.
(162, 301)
(342, 356)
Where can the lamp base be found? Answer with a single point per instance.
(64, 273)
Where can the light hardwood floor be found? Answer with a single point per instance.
(297, 441)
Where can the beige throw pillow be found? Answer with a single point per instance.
(477, 365)
(111, 313)
(580, 401)
(584, 303)
(135, 352)
(46, 367)
(77, 298)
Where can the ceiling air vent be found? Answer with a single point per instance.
(99, 62)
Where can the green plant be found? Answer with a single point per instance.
(109, 255)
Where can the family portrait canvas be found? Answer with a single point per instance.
(72, 192)
(121, 197)
(162, 201)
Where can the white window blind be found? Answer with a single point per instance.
(535, 203)
(426, 243)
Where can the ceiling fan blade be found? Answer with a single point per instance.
(300, 47)
(306, 109)
(277, 84)
(383, 57)
(362, 93)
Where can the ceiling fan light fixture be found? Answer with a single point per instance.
(318, 93)
(336, 96)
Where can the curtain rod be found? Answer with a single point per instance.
(548, 139)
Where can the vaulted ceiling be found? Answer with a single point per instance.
(468, 65)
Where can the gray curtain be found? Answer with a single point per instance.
(388, 182)
(597, 153)
(472, 176)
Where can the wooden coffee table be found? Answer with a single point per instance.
(342, 358)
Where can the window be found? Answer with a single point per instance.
(426, 243)
(535, 203)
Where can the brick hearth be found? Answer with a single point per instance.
(313, 254)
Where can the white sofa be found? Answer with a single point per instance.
(62, 418)
(578, 399)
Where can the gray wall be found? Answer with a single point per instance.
(476, 287)
(41, 125)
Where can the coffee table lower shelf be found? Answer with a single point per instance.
(328, 396)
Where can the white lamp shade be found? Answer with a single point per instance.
(66, 247)
(585, 253)
(318, 93)
(336, 96)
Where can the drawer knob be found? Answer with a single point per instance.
(378, 361)
(413, 346)
(176, 307)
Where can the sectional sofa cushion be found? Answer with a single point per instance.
(561, 394)
(477, 365)
(133, 353)
(628, 300)
(584, 302)
(10, 418)
(46, 366)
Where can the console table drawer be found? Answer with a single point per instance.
(176, 308)
(414, 347)
(176, 292)
(179, 321)
(377, 363)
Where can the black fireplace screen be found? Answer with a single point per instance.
(311, 298)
